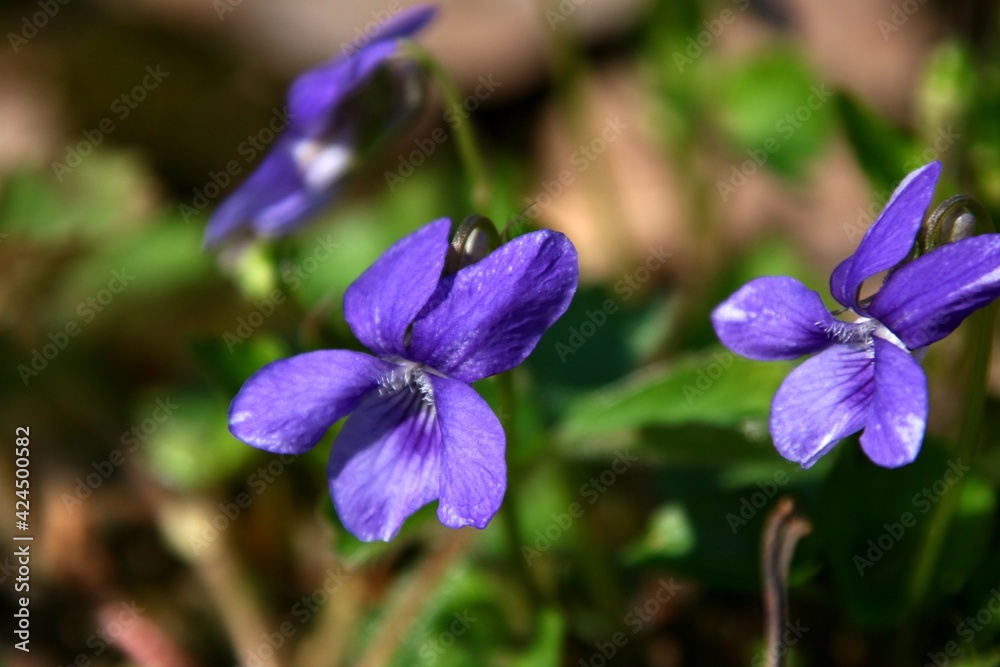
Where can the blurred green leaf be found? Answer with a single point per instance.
(107, 194)
(546, 648)
(774, 110)
(947, 92)
(625, 330)
(713, 387)
(879, 147)
(229, 365)
(706, 544)
(462, 624)
(191, 448)
(969, 534)
(670, 534)
(874, 522)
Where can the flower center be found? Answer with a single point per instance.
(883, 332)
(409, 377)
(861, 331)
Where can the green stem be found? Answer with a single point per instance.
(977, 363)
(511, 506)
(465, 139)
(976, 366)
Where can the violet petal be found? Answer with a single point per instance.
(895, 428)
(288, 405)
(386, 463)
(774, 317)
(890, 238)
(928, 298)
(823, 400)
(473, 469)
(488, 317)
(382, 303)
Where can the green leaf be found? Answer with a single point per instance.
(693, 534)
(191, 447)
(229, 365)
(670, 533)
(599, 339)
(714, 387)
(462, 623)
(546, 647)
(946, 95)
(879, 147)
(969, 533)
(107, 194)
(774, 111)
(875, 522)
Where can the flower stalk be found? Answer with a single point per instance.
(480, 187)
(958, 217)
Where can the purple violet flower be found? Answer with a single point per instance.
(417, 431)
(867, 374)
(338, 113)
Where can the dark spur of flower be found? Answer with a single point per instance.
(866, 374)
(339, 114)
(417, 432)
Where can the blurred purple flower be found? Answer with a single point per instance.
(338, 113)
(865, 375)
(417, 431)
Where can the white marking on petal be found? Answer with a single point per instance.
(991, 277)
(883, 332)
(728, 312)
(910, 428)
(321, 164)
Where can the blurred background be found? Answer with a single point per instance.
(685, 147)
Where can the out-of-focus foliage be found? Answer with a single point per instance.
(641, 470)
